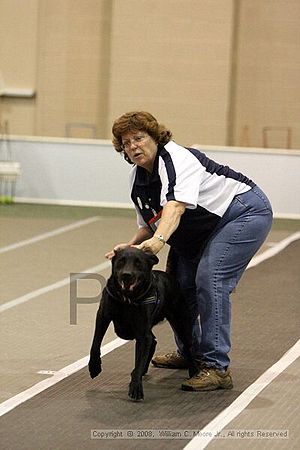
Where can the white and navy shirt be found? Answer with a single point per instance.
(189, 176)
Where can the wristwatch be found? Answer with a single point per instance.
(160, 238)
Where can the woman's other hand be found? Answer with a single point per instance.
(111, 253)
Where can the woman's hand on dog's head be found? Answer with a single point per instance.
(111, 254)
(152, 245)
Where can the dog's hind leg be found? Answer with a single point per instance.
(151, 353)
(182, 326)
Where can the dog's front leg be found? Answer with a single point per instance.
(142, 348)
(102, 323)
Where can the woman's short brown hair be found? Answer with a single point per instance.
(138, 121)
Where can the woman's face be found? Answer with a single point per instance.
(141, 148)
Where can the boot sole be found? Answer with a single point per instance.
(185, 387)
(165, 366)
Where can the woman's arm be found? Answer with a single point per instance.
(144, 238)
(170, 219)
(141, 235)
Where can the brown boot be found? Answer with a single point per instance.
(208, 379)
(170, 361)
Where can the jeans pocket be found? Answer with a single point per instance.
(239, 199)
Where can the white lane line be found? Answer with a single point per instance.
(18, 399)
(49, 234)
(274, 250)
(44, 290)
(206, 435)
(51, 287)
(13, 402)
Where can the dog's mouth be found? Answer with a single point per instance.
(128, 282)
(128, 286)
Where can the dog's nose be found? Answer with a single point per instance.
(127, 277)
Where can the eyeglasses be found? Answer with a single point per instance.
(135, 140)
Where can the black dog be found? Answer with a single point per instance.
(135, 299)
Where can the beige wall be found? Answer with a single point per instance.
(268, 72)
(73, 64)
(214, 71)
(18, 61)
(173, 58)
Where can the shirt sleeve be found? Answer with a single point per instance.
(181, 175)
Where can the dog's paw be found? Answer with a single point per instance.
(136, 392)
(95, 367)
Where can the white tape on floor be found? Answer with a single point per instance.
(206, 435)
(44, 290)
(278, 247)
(49, 234)
(222, 419)
(49, 288)
(18, 399)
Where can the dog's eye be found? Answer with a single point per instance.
(120, 262)
(138, 264)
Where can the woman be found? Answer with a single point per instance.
(213, 218)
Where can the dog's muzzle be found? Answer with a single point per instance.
(127, 281)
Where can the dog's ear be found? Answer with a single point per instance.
(116, 252)
(152, 258)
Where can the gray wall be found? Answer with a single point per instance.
(90, 172)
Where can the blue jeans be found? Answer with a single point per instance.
(207, 285)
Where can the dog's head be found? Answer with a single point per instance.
(131, 270)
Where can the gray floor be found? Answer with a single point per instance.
(36, 335)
